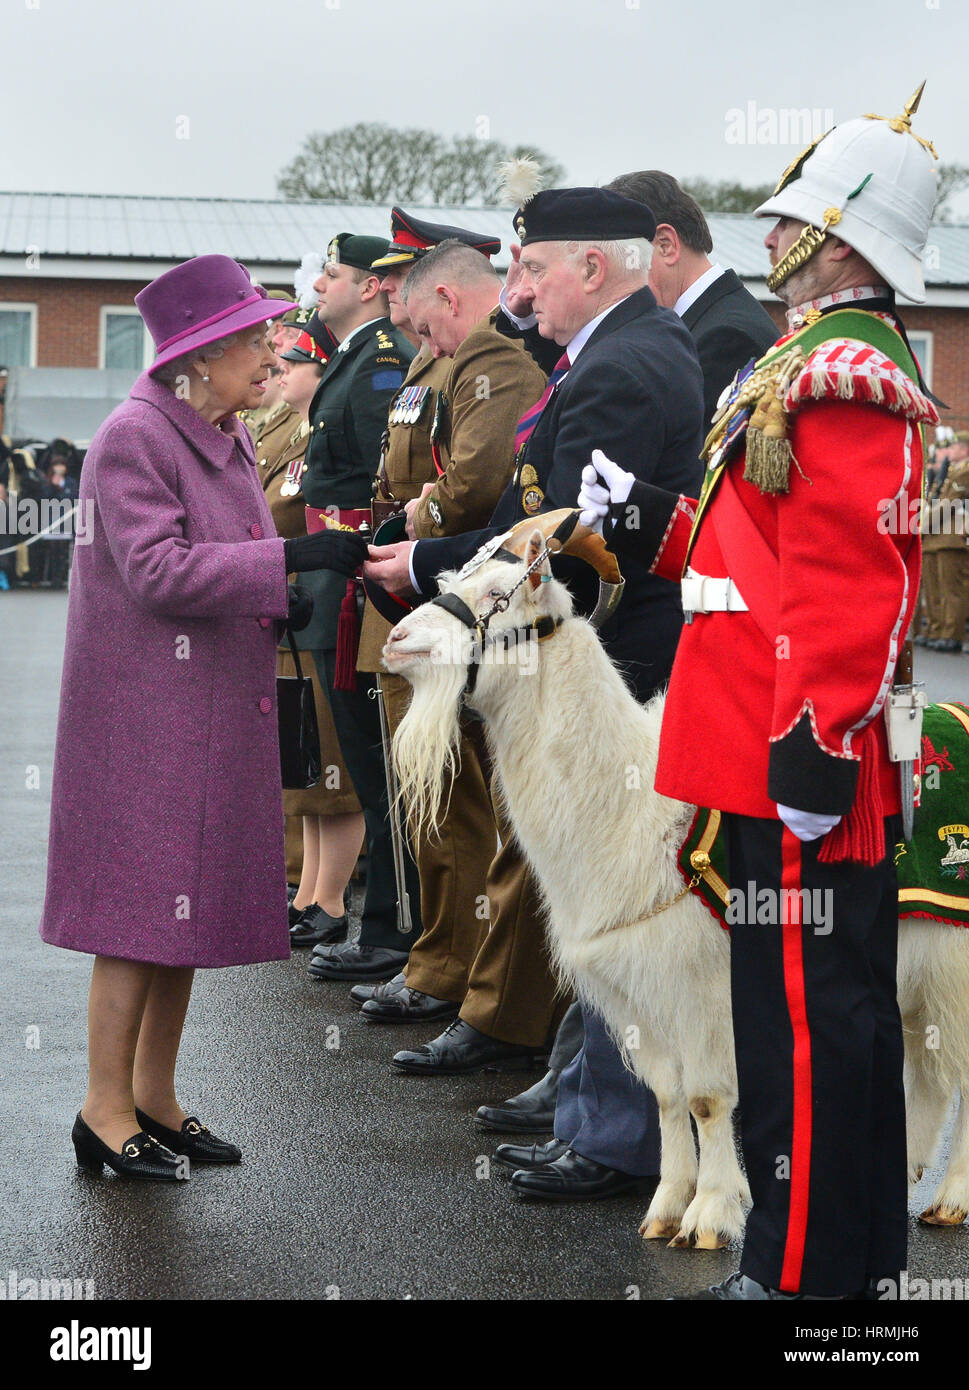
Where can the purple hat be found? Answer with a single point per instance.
(200, 301)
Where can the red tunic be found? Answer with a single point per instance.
(788, 709)
(845, 591)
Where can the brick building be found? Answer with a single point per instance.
(71, 264)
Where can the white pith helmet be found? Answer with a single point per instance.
(881, 178)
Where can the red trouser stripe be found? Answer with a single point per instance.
(793, 951)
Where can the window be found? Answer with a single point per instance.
(921, 340)
(124, 339)
(18, 335)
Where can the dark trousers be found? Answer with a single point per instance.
(357, 721)
(602, 1111)
(819, 1057)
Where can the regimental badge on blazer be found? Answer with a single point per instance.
(532, 494)
(408, 406)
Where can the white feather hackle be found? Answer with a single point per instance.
(519, 180)
(309, 270)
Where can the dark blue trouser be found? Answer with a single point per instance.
(603, 1112)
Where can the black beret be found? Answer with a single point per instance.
(583, 214)
(347, 248)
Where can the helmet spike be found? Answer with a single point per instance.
(912, 105)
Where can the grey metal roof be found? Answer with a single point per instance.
(276, 232)
(172, 229)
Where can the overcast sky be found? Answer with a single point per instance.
(93, 89)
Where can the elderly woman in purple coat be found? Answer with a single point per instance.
(166, 839)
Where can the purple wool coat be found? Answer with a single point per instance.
(166, 831)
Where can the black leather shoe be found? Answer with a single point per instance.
(572, 1178)
(407, 1006)
(361, 993)
(193, 1140)
(461, 1048)
(531, 1112)
(351, 961)
(141, 1156)
(521, 1156)
(740, 1288)
(317, 928)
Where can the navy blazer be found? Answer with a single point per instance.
(636, 392)
(729, 327)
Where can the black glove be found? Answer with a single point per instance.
(343, 551)
(300, 607)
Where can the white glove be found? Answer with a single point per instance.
(805, 824)
(594, 499)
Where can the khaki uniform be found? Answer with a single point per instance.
(282, 440)
(945, 557)
(483, 939)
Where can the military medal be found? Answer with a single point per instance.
(532, 499)
(290, 484)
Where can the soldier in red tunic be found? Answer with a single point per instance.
(800, 572)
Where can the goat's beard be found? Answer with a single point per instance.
(427, 745)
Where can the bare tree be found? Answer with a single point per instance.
(727, 197)
(375, 163)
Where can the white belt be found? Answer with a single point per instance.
(703, 594)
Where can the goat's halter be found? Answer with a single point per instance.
(542, 627)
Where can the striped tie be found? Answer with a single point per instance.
(530, 419)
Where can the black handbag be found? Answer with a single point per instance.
(299, 733)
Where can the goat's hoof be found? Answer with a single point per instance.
(943, 1216)
(683, 1240)
(658, 1230)
(710, 1240)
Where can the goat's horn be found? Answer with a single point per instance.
(564, 534)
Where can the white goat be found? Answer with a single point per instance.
(576, 754)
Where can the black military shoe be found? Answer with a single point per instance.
(361, 993)
(317, 928)
(519, 1156)
(407, 1005)
(572, 1178)
(351, 961)
(461, 1048)
(740, 1288)
(531, 1112)
(193, 1140)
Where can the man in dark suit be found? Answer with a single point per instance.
(728, 325)
(348, 416)
(611, 1115)
(630, 371)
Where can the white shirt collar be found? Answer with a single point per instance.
(692, 292)
(354, 331)
(584, 334)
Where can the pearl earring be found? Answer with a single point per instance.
(206, 377)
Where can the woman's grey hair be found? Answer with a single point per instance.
(179, 366)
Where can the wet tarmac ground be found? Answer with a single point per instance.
(357, 1182)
